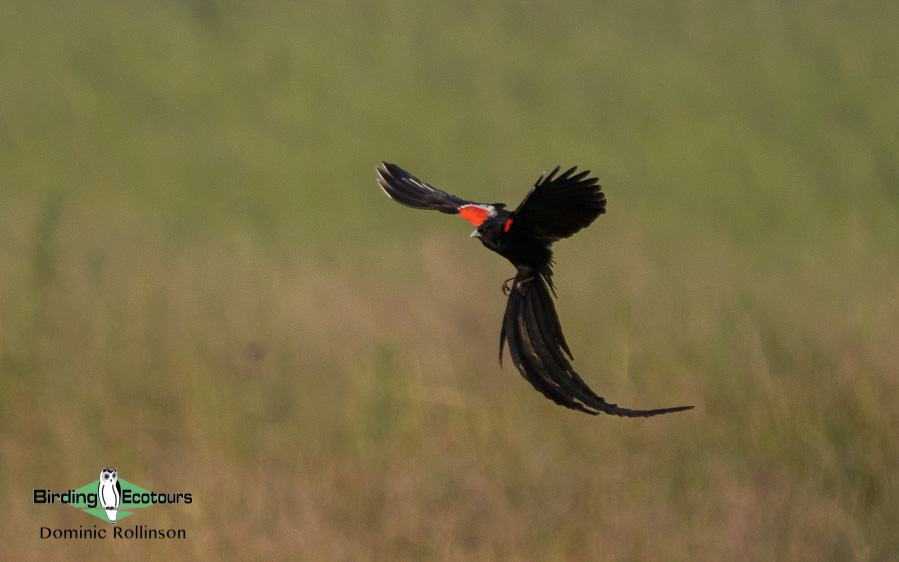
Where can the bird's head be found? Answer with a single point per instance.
(492, 224)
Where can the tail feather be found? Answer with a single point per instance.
(538, 349)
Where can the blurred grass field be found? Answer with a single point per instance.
(202, 285)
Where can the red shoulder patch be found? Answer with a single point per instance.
(507, 225)
(474, 214)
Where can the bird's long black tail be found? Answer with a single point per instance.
(538, 349)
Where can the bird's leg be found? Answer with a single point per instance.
(520, 284)
(507, 290)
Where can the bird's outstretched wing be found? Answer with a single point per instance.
(560, 205)
(538, 349)
(406, 189)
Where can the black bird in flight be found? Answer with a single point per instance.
(557, 207)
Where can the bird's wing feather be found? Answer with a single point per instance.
(560, 205)
(538, 349)
(406, 189)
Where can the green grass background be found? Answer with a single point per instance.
(202, 285)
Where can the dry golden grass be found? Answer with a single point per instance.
(319, 412)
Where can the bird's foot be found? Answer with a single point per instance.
(507, 290)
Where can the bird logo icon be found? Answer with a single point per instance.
(110, 492)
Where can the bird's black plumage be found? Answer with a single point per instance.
(558, 206)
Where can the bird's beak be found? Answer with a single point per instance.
(475, 234)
